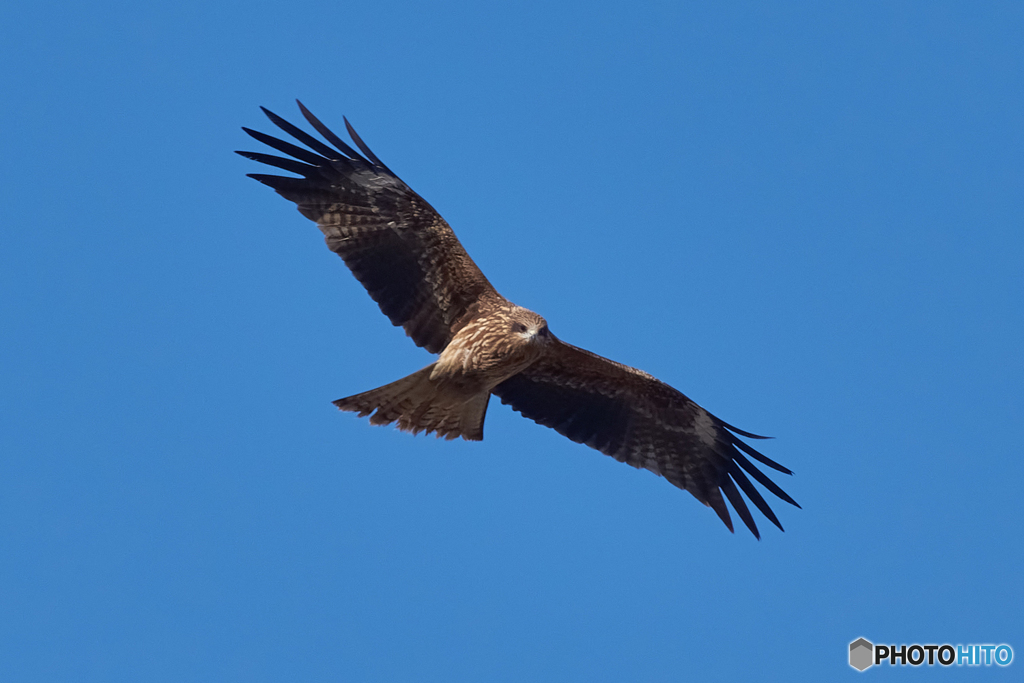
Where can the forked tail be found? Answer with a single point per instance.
(418, 404)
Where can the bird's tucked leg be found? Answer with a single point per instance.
(419, 404)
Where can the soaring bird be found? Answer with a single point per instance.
(413, 266)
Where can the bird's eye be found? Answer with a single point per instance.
(519, 327)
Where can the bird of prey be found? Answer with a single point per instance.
(414, 267)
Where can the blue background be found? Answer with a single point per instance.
(808, 217)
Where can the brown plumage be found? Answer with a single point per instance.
(419, 274)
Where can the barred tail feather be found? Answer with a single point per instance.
(418, 404)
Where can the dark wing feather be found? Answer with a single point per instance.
(394, 242)
(638, 420)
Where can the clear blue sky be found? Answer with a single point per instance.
(806, 216)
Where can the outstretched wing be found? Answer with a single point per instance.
(394, 242)
(638, 420)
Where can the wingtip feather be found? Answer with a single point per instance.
(760, 457)
(363, 147)
(738, 504)
(753, 494)
(741, 432)
(328, 134)
(716, 503)
(762, 478)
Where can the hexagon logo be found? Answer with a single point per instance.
(861, 654)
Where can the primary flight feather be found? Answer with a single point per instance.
(419, 274)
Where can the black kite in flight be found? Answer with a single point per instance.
(419, 274)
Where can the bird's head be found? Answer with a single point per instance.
(529, 326)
